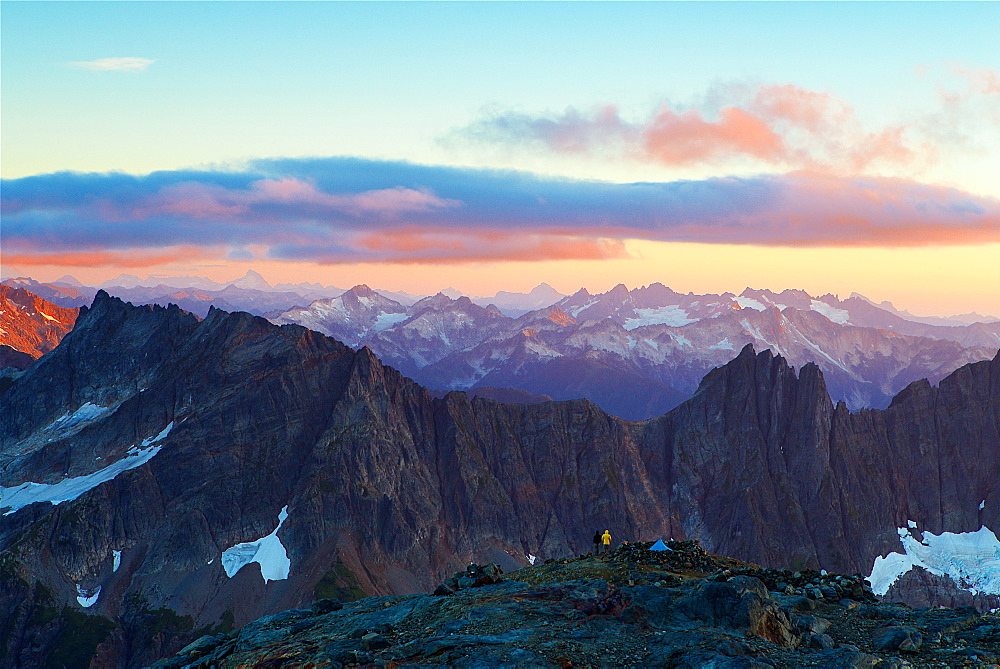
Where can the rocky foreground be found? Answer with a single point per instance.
(681, 607)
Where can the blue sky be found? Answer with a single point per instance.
(233, 81)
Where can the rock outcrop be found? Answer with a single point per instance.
(627, 609)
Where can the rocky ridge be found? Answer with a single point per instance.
(679, 607)
(150, 449)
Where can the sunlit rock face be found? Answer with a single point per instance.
(291, 446)
(29, 326)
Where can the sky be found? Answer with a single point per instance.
(833, 147)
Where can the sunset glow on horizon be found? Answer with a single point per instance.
(830, 147)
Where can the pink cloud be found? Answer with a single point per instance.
(824, 210)
(779, 126)
(686, 138)
(211, 201)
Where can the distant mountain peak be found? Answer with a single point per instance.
(251, 280)
(123, 280)
(362, 290)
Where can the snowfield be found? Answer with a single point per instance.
(673, 315)
(20, 496)
(834, 314)
(267, 551)
(970, 559)
(86, 413)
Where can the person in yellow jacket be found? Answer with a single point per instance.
(606, 540)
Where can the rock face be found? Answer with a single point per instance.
(207, 473)
(30, 325)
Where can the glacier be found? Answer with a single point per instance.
(672, 314)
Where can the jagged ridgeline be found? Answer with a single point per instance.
(163, 476)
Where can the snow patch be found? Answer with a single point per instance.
(724, 345)
(752, 331)
(749, 303)
(982, 505)
(12, 499)
(672, 314)
(970, 559)
(531, 558)
(117, 555)
(386, 320)
(85, 413)
(834, 314)
(911, 524)
(575, 311)
(682, 340)
(47, 317)
(87, 600)
(268, 552)
(541, 350)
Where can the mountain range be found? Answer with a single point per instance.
(163, 475)
(251, 293)
(636, 353)
(639, 353)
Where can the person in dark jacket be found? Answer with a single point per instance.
(597, 542)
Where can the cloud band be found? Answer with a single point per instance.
(353, 210)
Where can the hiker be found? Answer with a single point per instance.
(606, 540)
(597, 542)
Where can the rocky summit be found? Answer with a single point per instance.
(163, 477)
(676, 607)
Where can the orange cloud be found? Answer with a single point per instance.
(130, 258)
(444, 246)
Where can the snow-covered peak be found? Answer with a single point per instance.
(839, 316)
(749, 303)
